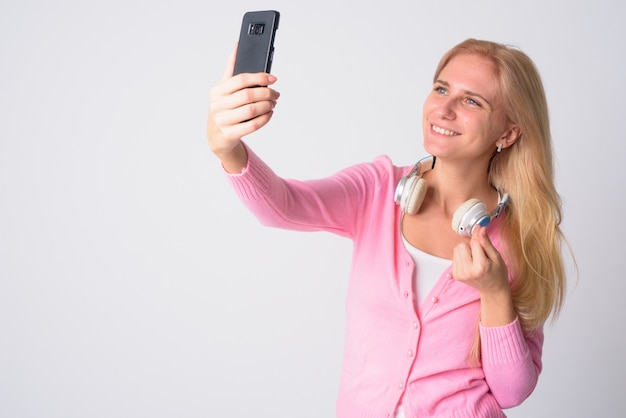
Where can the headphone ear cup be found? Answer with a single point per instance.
(468, 215)
(415, 196)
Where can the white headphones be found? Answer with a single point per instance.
(411, 190)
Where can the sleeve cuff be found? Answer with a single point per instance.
(253, 180)
(503, 345)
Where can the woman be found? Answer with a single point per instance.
(438, 323)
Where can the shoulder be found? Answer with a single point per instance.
(381, 169)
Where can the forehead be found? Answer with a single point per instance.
(472, 73)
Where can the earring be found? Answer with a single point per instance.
(499, 147)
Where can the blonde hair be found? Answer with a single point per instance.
(525, 171)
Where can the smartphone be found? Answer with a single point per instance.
(256, 42)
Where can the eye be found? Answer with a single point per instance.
(440, 90)
(472, 102)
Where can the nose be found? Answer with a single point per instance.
(446, 109)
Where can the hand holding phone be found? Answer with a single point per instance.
(255, 51)
(229, 112)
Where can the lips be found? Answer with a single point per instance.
(442, 131)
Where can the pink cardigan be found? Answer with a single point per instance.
(394, 352)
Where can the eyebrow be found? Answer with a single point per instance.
(468, 92)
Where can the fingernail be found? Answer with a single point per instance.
(271, 78)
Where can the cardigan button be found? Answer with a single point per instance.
(401, 386)
(435, 299)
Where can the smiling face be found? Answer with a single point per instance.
(464, 116)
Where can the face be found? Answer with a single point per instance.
(464, 113)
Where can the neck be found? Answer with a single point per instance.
(451, 185)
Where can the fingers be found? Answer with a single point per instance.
(461, 261)
(246, 97)
(239, 82)
(486, 245)
(242, 108)
(245, 120)
(249, 112)
(472, 259)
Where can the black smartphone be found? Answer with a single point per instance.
(256, 42)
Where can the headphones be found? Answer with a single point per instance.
(411, 190)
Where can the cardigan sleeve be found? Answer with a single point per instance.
(335, 204)
(511, 362)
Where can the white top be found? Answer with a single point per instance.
(427, 267)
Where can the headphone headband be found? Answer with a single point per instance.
(428, 163)
(503, 200)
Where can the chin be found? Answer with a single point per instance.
(433, 149)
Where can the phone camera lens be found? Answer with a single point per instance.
(256, 29)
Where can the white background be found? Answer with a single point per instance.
(134, 284)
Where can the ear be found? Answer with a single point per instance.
(508, 138)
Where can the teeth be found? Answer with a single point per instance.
(443, 131)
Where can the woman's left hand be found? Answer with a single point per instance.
(480, 265)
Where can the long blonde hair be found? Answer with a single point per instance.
(525, 171)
